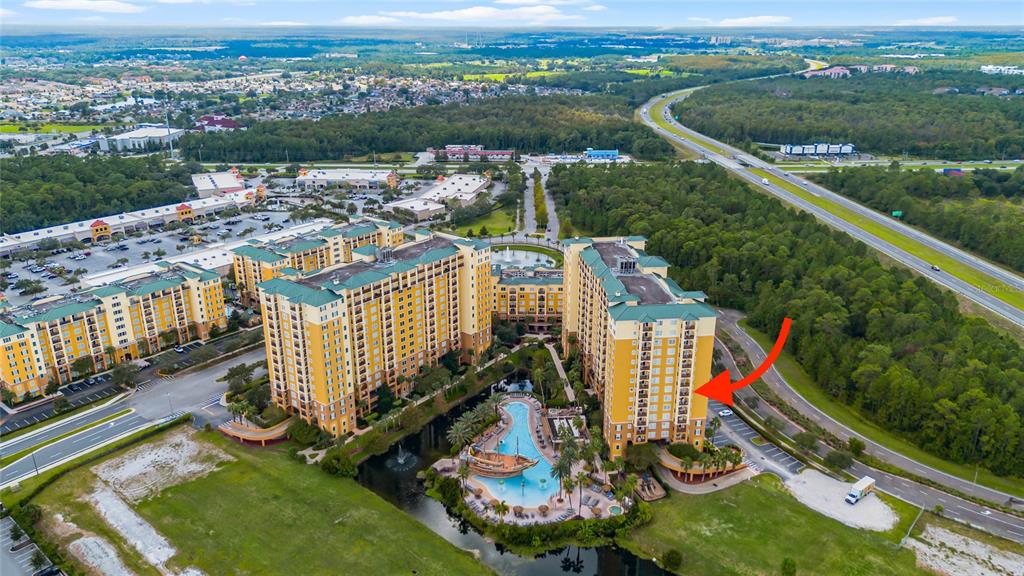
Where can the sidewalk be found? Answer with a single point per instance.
(714, 485)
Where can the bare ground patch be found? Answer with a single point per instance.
(146, 470)
(827, 495)
(92, 552)
(947, 552)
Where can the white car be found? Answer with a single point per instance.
(724, 413)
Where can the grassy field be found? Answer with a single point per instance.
(47, 128)
(501, 76)
(948, 265)
(19, 455)
(794, 374)
(266, 514)
(750, 528)
(497, 221)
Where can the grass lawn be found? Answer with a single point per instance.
(948, 265)
(47, 128)
(794, 374)
(266, 514)
(497, 221)
(531, 248)
(750, 528)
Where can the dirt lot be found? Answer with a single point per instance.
(947, 552)
(146, 470)
(826, 495)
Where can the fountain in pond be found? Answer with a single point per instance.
(402, 461)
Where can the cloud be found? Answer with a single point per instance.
(5, 13)
(542, 2)
(109, 6)
(699, 20)
(929, 21)
(540, 14)
(755, 21)
(367, 20)
(595, 8)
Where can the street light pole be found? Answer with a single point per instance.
(36, 466)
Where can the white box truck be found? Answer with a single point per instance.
(862, 488)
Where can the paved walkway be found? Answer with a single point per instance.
(569, 393)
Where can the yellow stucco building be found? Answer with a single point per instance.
(258, 262)
(533, 296)
(40, 342)
(335, 337)
(645, 343)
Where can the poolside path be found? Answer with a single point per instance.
(569, 393)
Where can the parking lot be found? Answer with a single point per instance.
(77, 394)
(133, 251)
(740, 428)
(18, 562)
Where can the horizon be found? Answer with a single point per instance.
(514, 14)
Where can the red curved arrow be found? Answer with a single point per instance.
(721, 387)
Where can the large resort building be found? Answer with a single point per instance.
(336, 336)
(42, 341)
(355, 308)
(258, 261)
(645, 343)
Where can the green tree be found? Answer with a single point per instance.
(806, 441)
(855, 446)
(788, 567)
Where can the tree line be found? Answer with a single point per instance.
(879, 113)
(524, 123)
(981, 210)
(890, 344)
(41, 191)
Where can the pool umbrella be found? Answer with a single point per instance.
(517, 510)
(543, 508)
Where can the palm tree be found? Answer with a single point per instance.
(463, 474)
(562, 469)
(501, 508)
(569, 484)
(688, 464)
(236, 409)
(459, 433)
(581, 479)
(630, 483)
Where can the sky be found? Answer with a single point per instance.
(514, 13)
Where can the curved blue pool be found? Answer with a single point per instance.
(535, 485)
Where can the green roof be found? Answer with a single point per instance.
(527, 280)
(69, 308)
(108, 290)
(653, 262)
(367, 250)
(654, 312)
(202, 275)
(614, 289)
(350, 231)
(10, 329)
(301, 246)
(577, 241)
(477, 244)
(258, 254)
(678, 292)
(156, 285)
(289, 271)
(377, 274)
(298, 293)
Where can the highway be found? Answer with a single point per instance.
(1001, 279)
(769, 457)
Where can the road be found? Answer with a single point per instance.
(981, 517)
(1001, 279)
(153, 401)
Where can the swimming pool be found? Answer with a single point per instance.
(535, 485)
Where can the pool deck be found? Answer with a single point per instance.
(558, 511)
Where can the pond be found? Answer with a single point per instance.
(506, 256)
(393, 477)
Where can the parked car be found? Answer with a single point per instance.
(179, 349)
(724, 413)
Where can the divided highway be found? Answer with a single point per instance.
(1002, 286)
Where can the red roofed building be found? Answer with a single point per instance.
(185, 213)
(216, 123)
(100, 230)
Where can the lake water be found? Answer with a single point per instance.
(393, 477)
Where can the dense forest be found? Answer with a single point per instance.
(41, 191)
(879, 113)
(983, 210)
(524, 123)
(878, 338)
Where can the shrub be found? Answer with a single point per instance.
(673, 559)
(303, 432)
(856, 446)
(788, 567)
(337, 463)
(838, 459)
